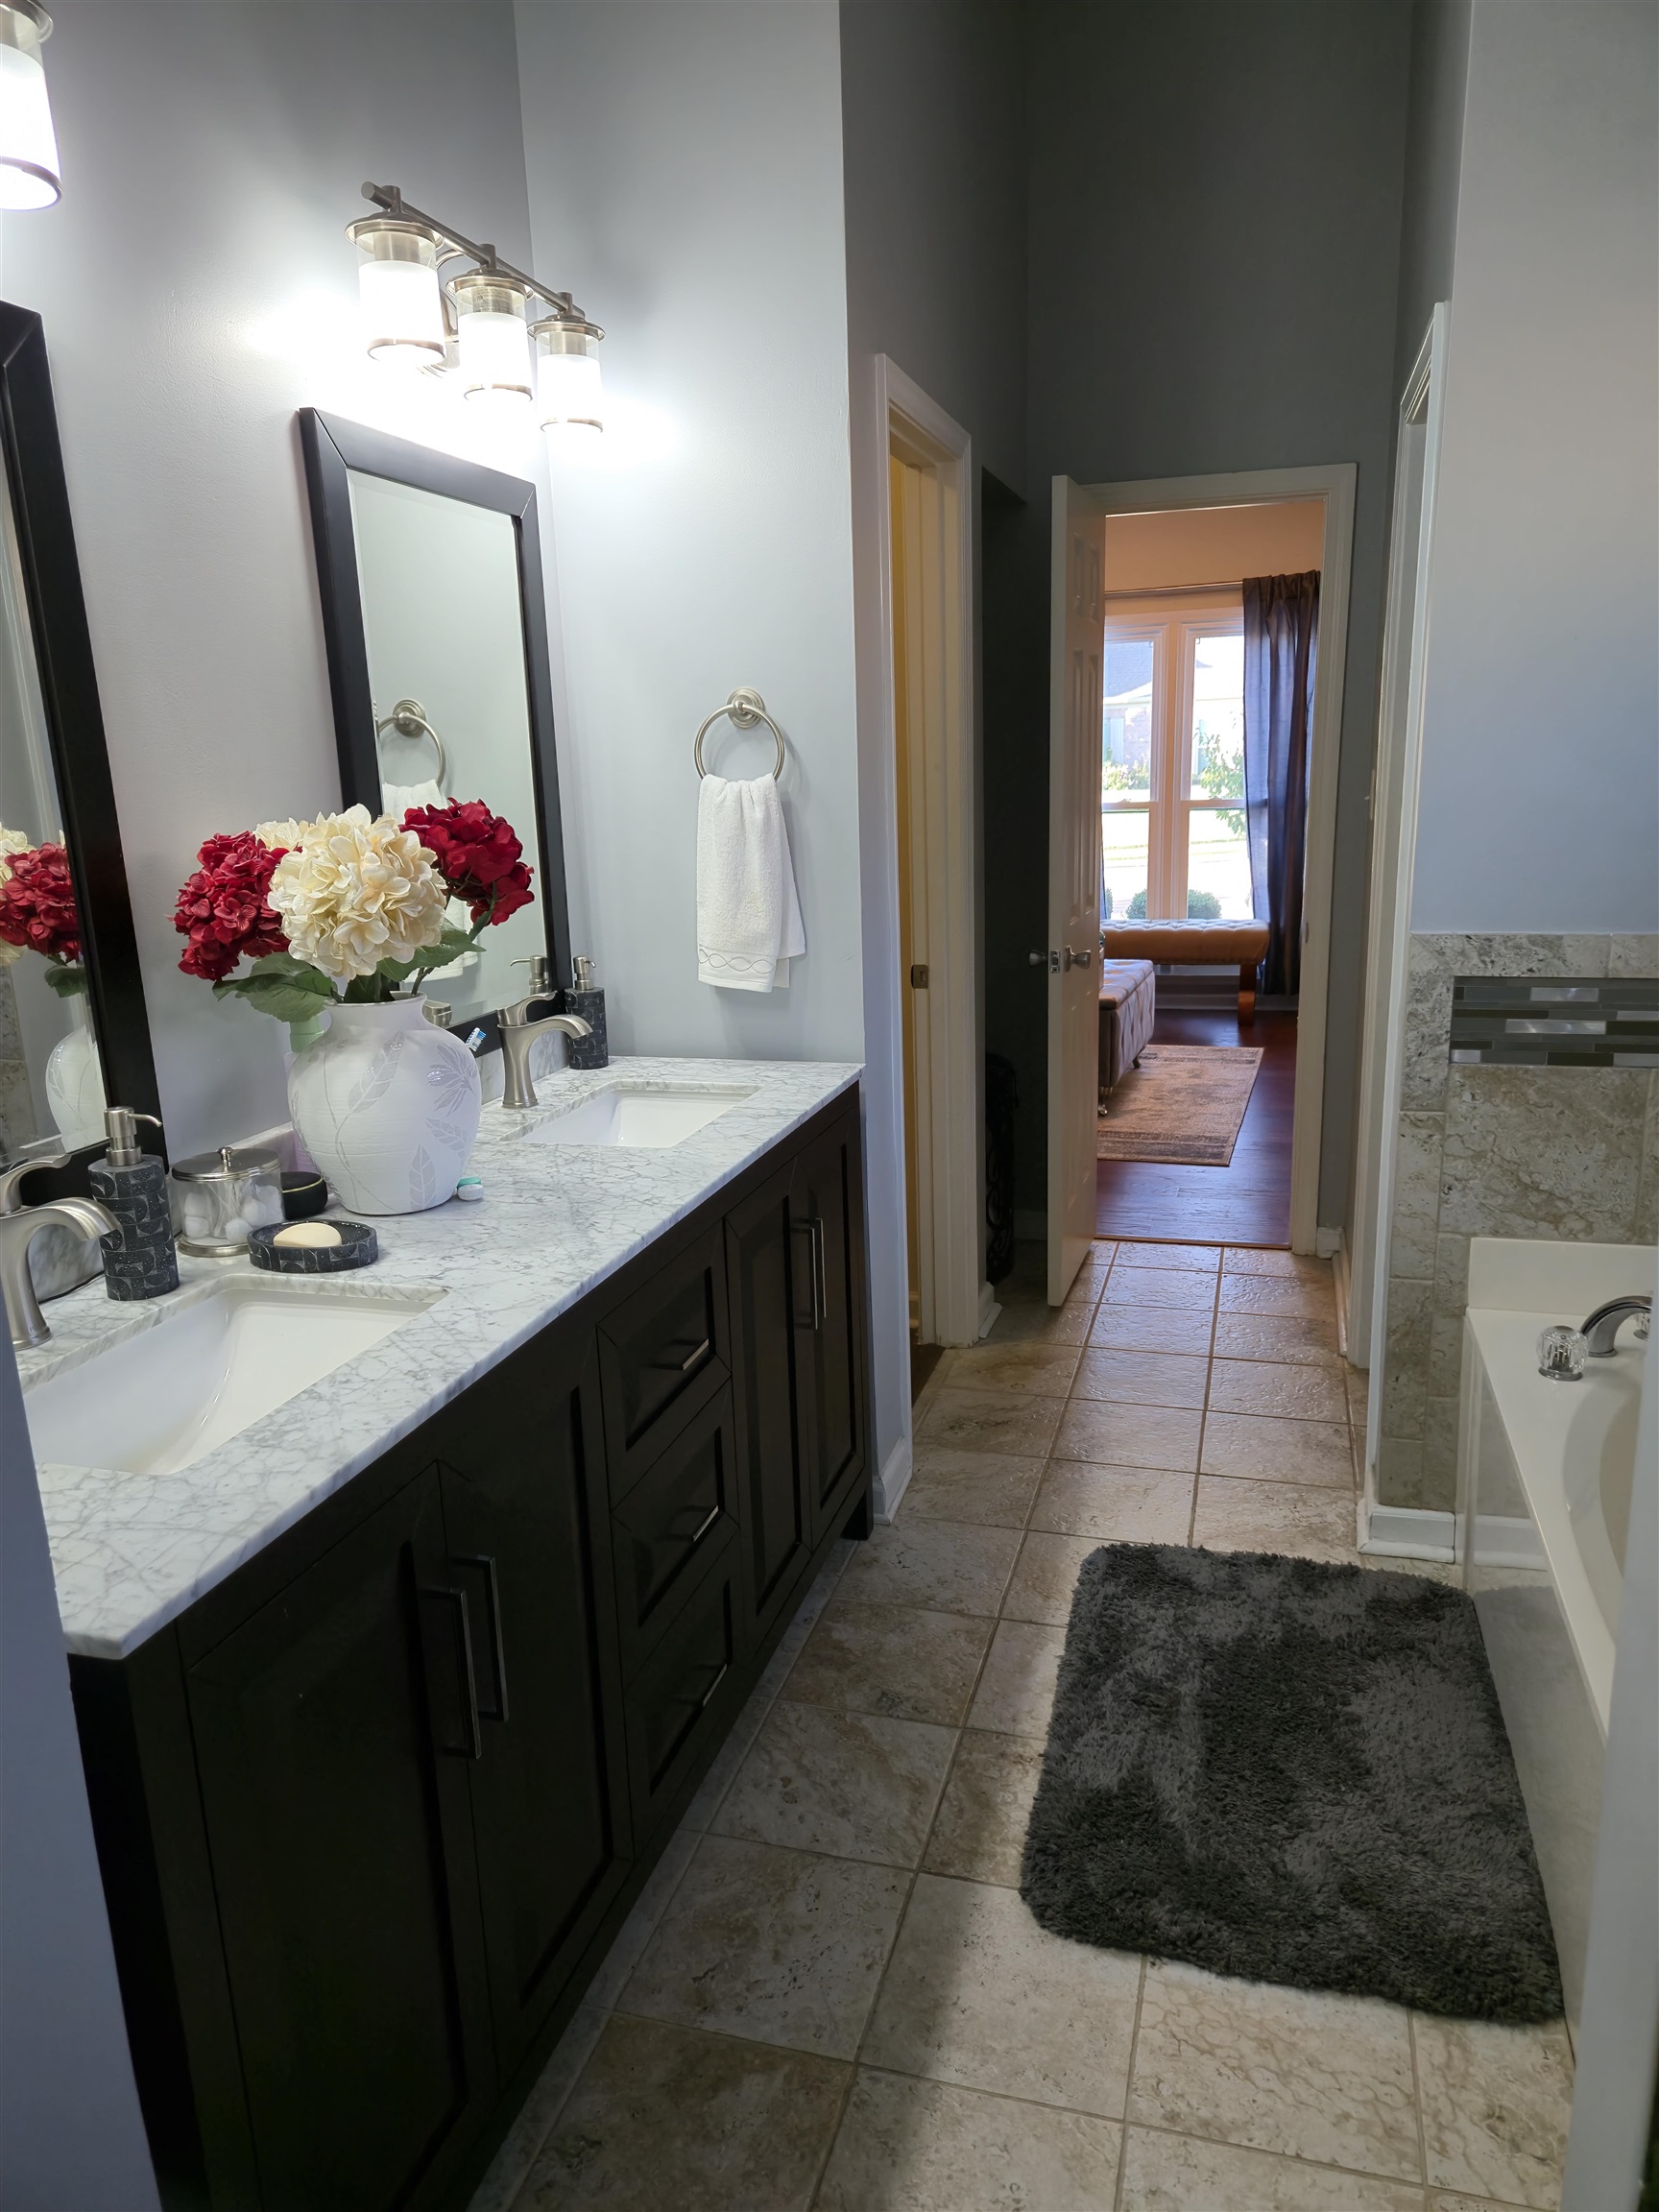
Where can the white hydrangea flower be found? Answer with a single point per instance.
(355, 891)
(287, 835)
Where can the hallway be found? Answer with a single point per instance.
(1248, 1201)
(831, 1995)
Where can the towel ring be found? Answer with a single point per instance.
(409, 719)
(745, 708)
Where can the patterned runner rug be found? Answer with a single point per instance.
(1185, 1103)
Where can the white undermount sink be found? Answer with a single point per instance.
(650, 1119)
(210, 1367)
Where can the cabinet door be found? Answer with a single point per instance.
(829, 1227)
(663, 1352)
(669, 1525)
(340, 1840)
(527, 1523)
(763, 1259)
(685, 1695)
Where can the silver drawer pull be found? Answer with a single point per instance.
(714, 1516)
(691, 1358)
(708, 1694)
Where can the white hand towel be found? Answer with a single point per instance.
(748, 914)
(396, 799)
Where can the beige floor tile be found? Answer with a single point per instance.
(1045, 1369)
(1017, 1421)
(1182, 1287)
(909, 2146)
(1444, 1570)
(1494, 2108)
(1269, 1450)
(1439, 2200)
(1129, 1436)
(1292, 2071)
(1180, 2173)
(1046, 1576)
(1113, 1504)
(781, 1946)
(977, 1994)
(1255, 1260)
(649, 1907)
(746, 2128)
(1294, 1393)
(1141, 1378)
(979, 1830)
(1151, 1329)
(498, 2191)
(850, 1784)
(1303, 1522)
(1202, 1258)
(900, 1660)
(945, 1566)
(1281, 1296)
(1031, 1320)
(993, 1487)
(1015, 1691)
(1273, 1337)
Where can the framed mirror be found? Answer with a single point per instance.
(431, 578)
(74, 1032)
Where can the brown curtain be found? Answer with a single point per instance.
(1281, 650)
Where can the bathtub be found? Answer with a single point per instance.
(1545, 1472)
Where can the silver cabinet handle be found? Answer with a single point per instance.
(473, 1748)
(497, 1651)
(708, 1694)
(713, 1515)
(691, 1359)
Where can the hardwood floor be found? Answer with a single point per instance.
(1245, 1203)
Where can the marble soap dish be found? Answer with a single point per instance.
(313, 1247)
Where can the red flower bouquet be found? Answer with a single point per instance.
(224, 910)
(37, 912)
(478, 854)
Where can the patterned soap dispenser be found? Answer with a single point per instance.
(586, 1000)
(139, 1258)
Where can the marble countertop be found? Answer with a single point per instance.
(131, 1552)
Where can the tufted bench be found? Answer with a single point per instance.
(1242, 945)
(1128, 1007)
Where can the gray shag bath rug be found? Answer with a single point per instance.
(1291, 1773)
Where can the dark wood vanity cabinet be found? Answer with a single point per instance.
(371, 1812)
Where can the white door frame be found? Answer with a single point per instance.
(1334, 485)
(1394, 788)
(952, 1299)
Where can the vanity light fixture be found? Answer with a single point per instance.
(475, 319)
(30, 175)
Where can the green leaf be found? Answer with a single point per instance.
(282, 967)
(67, 978)
(283, 999)
(449, 946)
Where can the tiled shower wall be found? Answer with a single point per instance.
(1486, 1151)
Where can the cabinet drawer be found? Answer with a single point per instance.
(664, 1354)
(681, 1700)
(671, 1523)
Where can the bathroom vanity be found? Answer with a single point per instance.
(390, 1700)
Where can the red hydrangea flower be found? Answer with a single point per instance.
(477, 853)
(223, 909)
(37, 904)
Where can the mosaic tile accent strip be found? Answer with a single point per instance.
(1555, 1021)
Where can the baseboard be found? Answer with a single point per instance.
(988, 1310)
(1343, 1278)
(1408, 1532)
(893, 1480)
(1326, 1242)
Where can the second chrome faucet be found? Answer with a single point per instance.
(518, 1033)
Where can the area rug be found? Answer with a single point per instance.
(1183, 1103)
(1292, 1772)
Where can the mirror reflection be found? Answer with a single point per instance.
(51, 1081)
(439, 582)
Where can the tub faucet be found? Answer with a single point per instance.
(518, 1033)
(1602, 1330)
(17, 1232)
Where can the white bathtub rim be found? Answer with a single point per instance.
(1559, 1281)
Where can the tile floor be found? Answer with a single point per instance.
(831, 1995)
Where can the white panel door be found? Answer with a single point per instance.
(1078, 635)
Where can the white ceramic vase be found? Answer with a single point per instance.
(74, 1081)
(387, 1106)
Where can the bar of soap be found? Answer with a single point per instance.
(312, 1232)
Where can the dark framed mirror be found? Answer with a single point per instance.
(430, 570)
(74, 1032)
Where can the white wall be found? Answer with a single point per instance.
(1540, 801)
(197, 289)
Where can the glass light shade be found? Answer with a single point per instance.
(494, 340)
(402, 315)
(568, 389)
(30, 175)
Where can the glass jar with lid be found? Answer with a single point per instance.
(217, 1197)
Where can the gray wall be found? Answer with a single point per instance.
(1215, 240)
(71, 2139)
(1433, 159)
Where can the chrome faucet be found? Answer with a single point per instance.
(19, 1230)
(1601, 1331)
(518, 1033)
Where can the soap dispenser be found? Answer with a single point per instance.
(586, 1000)
(139, 1259)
